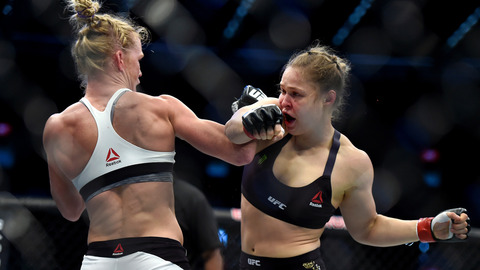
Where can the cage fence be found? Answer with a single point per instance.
(33, 235)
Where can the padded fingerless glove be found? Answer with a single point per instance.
(249, 96)
(425, 227)
(261, 118)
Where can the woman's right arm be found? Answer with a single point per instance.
(205, 135)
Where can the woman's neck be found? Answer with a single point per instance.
(320, 137)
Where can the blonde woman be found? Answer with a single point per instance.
(112, 153)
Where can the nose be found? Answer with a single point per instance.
(284, 102)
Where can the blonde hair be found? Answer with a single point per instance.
(98, 36)
(327, 71)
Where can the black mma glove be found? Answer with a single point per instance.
(425, 226)
(261, 118)
(249, 96)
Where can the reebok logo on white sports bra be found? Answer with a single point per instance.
(112, 158)
(112, 155)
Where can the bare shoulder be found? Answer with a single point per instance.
(136, 97)
(61, 122)
(69, 133)
(161, 102)
(355, 163)
(168, 98)
(352, 153)
(176, 106)
(171, 101)
(162, 106)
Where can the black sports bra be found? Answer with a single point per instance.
(308, 206)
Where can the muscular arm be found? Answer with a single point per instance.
(68, 199)
(359, 212)
(370, 228)
(207, 136)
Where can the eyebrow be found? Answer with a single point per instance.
(292, 88)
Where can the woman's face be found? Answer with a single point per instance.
(298, 101)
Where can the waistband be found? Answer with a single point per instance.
(309, 260)
(158, 246)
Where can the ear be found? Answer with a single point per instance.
(118, 60)
(330, 97)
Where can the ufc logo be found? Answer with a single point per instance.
(277, 202)
(257, 94)
(253, 262)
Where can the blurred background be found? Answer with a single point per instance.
(414, 103)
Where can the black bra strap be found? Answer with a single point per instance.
(333, 154)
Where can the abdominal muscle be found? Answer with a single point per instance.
(134, 210)
(266, 236)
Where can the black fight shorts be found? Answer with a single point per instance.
(168, 250)
(311, 260)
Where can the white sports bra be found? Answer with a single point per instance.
(117, 162)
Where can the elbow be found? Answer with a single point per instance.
(72, 213)
(370, 238)
(245, 155)
(242, 161)
(366, 234)
(72, 216)
(362, 239)
(68, 201)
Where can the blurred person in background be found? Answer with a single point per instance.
(305, 170)
(112, 153)
(199, 227)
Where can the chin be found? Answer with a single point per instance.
(289, 125)
(289, 129)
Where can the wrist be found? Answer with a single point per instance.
(424, 230)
